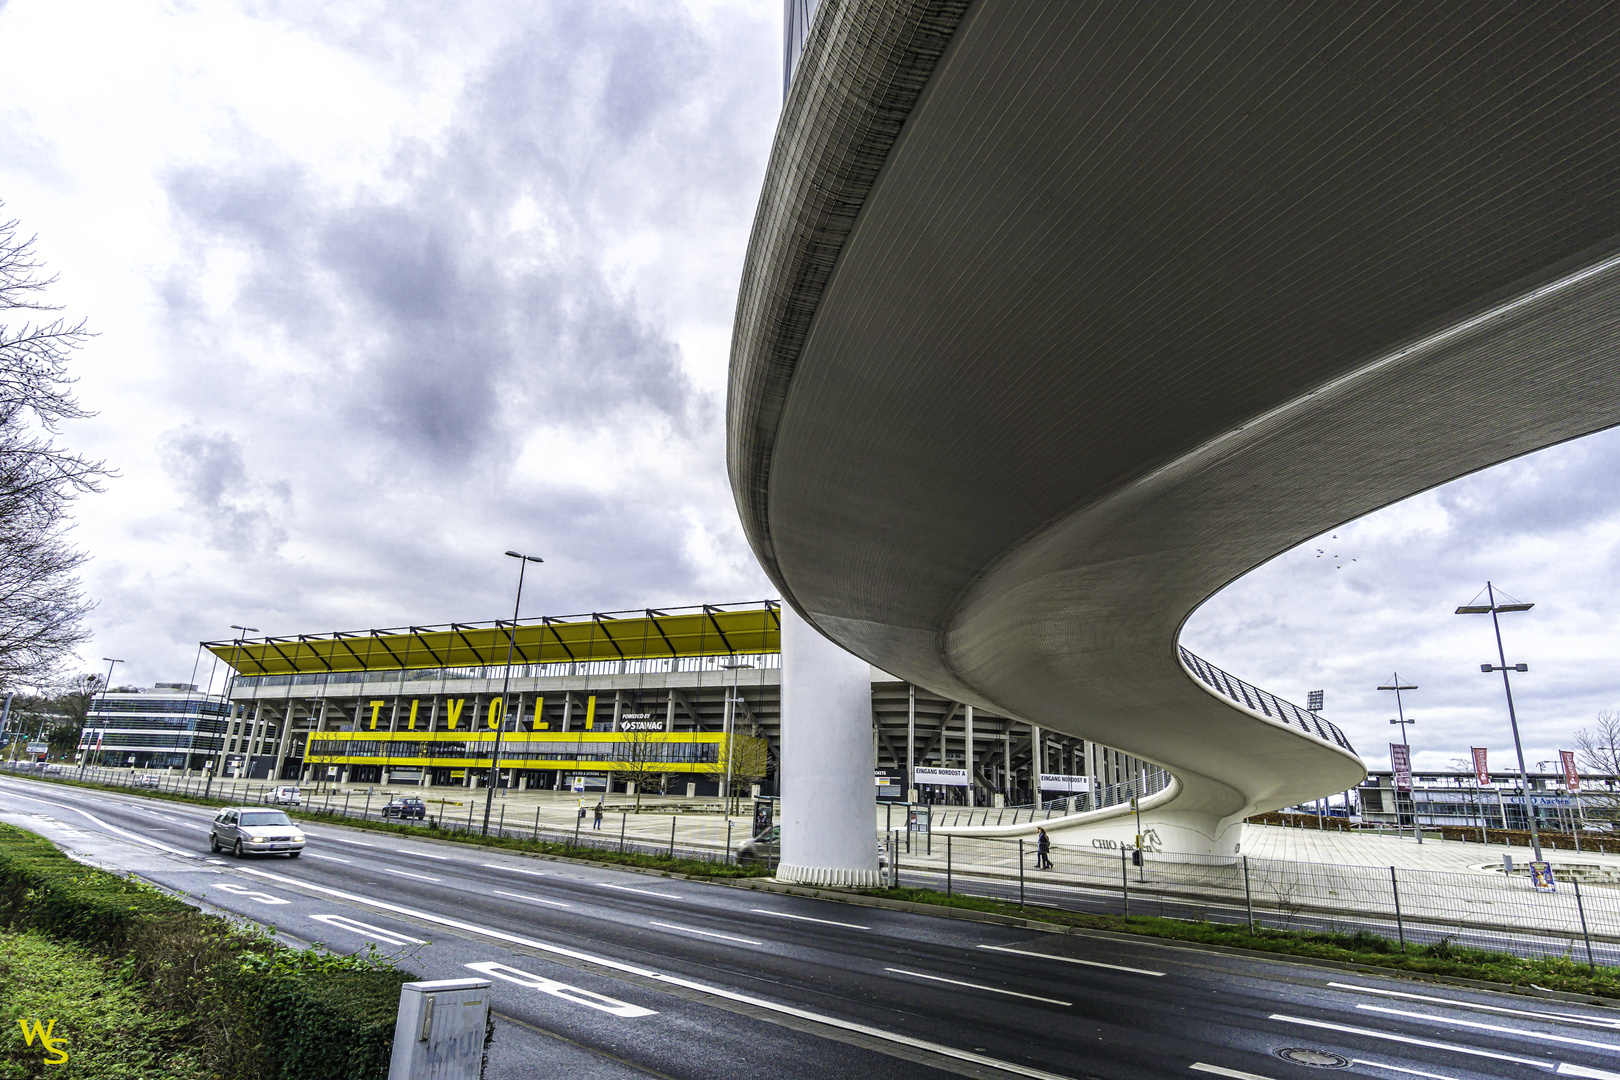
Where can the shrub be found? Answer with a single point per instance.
(253, 1008)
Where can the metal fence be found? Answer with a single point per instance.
(1485, 909)
(1149, 782)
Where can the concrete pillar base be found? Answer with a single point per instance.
(827, 876)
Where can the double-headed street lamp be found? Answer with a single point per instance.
(1494, 609)
(1396, 685)
(506, 682)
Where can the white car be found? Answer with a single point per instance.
(285, 795)
(245, 830)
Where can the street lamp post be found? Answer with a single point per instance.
(230, 705)
(1495, 609)
(735, 668)
(85, 762)
(506, 682)
(1396, 685)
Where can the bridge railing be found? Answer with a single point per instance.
(1261, 701)
(1102, 796)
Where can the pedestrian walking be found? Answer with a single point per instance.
(1043, 847)
(597, 824)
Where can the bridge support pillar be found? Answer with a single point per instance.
(828, 830)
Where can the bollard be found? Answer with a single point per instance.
(439, 1034)
(1248, 894)
(1124, 882)
(1581, 907)
(1400, 925)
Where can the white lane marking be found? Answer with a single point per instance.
(1401, 1069)
(423, 854)
(1410, 1041)
(1477, 1025)
(222, 862)
(705, 933)
(672, 980)
(588, 998)
(407, 873)
(530, 899)
(1216, 1070)
(355, 926)
(513, 869)
(132, 836)
(328, 858)
(1566, 1069)
(1071, 960)
(1573, 1018)
(642, 892)
(976, 986)
(806, 918)
(341, 840)
(243, 890)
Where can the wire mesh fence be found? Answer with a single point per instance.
(1489, 908)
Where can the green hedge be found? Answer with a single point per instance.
(257, 1010)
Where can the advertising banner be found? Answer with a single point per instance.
(1572, 778)
(946, 777)
(1063, 782)
(1482, 771)
(1400, 760)
(763, 809)
(1541, 876)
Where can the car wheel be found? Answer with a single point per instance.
(213, 843)
(294, 854)
(237, 850)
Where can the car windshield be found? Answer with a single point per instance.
(265, 817)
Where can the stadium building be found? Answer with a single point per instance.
(591, 693)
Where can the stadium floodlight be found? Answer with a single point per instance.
(506, 683)
(1494, 609)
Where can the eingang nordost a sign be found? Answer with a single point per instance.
(924, 774)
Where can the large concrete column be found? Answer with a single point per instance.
(828, 826)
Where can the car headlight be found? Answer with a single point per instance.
(298, 837)
(256, 839)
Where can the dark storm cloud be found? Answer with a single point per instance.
(221, 500)
(449, 330)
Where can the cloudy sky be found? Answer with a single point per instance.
(385, 289)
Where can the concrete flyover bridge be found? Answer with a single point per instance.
(1058, 317)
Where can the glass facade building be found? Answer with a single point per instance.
(169, 726)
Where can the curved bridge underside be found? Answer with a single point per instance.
(1058, 317)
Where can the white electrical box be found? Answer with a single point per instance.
(440, 1031)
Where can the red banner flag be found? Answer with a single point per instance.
(1482, 771)
(1572, 779)
(1401, 758)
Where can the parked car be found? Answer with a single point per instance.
(408, 807)
(285, 795)
(146, 781)
(53, 768)
(765, 849)
(251, 829)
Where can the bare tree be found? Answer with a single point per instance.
(41, 606)
(1597, 750)
(743, 760)
(641, 761)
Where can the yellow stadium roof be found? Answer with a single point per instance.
(617, 635)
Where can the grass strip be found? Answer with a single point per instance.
(253, 1009)
(91, 1009)
(1444, 957)
(698, 868)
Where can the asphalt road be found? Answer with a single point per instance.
(608, 973)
